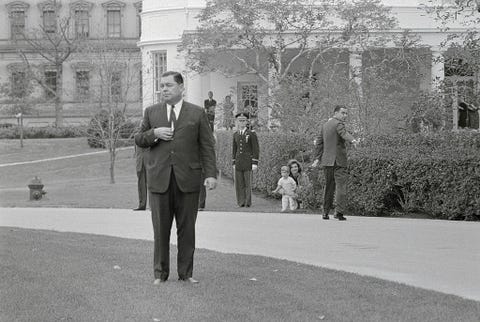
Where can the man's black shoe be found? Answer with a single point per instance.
(340, 217)
(325, 217)
(139, 208)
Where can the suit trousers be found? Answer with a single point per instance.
(182, 206)
(335, 187)
(142, 188)
(243, 187)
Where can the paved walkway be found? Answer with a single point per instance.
(432, 254)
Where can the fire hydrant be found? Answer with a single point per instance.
(36, 189)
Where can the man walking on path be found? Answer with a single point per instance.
(245, 151)
(181, 147)
(332, 155)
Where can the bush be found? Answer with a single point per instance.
(435, 174)
(100, 129)
(45, 132)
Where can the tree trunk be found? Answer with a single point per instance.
(58, 98)
(112, 153)
(272, 88)
(58, 112)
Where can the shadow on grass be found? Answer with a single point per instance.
(52, 276)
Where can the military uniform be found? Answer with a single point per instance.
(245, 151)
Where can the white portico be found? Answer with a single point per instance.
(164, 22)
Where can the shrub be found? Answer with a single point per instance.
(436, 174)
(44, 132)
(100, 129)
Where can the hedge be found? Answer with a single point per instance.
(437, 174)
(44, 132)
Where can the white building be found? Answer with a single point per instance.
(164, 22)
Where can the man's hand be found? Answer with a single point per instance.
(210, 183)
(254, 167)
(315, 163)
(163, 133)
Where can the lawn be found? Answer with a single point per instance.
(84, 181)
(56, 276)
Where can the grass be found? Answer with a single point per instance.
(84, 181)
(54, 276)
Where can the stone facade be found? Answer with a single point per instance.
(115, 23)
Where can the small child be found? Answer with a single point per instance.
(286, 187)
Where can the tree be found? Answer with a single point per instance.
(271, 38)
(17, 93)
(53, 44)
(462, 50)
(382, 103)
(115, 65)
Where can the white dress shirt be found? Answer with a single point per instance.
(177, 109)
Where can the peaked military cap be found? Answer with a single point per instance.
(245, 114)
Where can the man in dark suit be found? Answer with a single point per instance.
(332, 152)
(245, 151)
(210, 104)
(141, 178)
(181, 147)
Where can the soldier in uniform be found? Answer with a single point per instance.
(245, 152)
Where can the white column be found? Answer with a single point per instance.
(355, 70)
(438, 68)
(355, 74)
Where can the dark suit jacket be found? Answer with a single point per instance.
(245, 150)
(207, 103)
(331, 143)
(191, 150)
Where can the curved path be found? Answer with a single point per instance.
(432, 254)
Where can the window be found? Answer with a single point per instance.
(50, 83)
(248, 98)
(17, 14)
(80, 11)
(82, 23)
(17, 23)
(19, 84)
(82, 80)
(113, 24)
(159, 67)
(49, 21)
(116, 85)
(113, 15)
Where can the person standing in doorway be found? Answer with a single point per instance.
(331, 153)
(210, 104)
(228, 107)
(245, 152)
(181, 147)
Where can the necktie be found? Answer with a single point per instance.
(173, 117)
